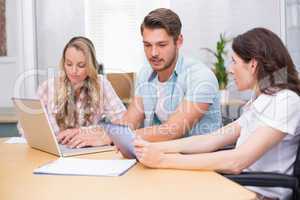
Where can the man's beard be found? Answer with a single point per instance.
(166, 65)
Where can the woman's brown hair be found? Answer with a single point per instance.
(275, 68)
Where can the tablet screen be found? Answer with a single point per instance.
(122, 136)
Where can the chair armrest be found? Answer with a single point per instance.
(265, 179)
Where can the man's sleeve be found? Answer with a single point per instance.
(202, 85)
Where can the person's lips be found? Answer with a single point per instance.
(155, 61)
(73, 77)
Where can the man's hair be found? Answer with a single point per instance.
(163, 18)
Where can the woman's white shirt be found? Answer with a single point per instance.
(280, 111)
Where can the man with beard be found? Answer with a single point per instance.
(174, 96)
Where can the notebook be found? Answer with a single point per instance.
(86, 167)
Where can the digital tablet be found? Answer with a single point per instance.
(122, 136)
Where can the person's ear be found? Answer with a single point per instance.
(253, 66)
(179, 41)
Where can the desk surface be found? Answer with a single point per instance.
(233, 102)
(17, 161)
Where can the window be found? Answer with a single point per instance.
(3, 51)
(114, 27)
(292, 32)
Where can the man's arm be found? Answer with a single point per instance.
(134, 116)
(180, 122)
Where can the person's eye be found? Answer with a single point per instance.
(162, 45)
(233, 61)
(81, 65)
(147, 45)
(69, 64)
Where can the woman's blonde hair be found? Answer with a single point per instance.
(67, 115)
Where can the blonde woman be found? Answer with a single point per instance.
(78, 98)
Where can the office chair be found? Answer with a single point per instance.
(123, 84)
(266, 179)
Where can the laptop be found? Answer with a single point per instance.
(122, 136)
(39, 133)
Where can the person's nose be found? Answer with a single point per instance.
(74, 69)
(154, 52)
(230, 69)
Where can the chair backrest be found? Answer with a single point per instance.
(297, 173)
(297, 164)
(123, 84)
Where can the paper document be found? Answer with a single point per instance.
(16, 140)
(86, 167)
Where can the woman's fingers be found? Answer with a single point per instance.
(139, 157)
(138, 142)
(74, 144)
(116, 149)
(81, 144)
(78, 141)
(71, 138)
(61, 136)
(65, 136)
(138, 150)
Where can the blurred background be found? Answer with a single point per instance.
(34, 32)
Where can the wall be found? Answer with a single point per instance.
(293, 29)
(21, 52)
(57, 22)
(203, 21)
(114, 28)
(9, 66)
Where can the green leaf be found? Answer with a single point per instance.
(219, 65)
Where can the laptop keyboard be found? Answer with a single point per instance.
(65, 149)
